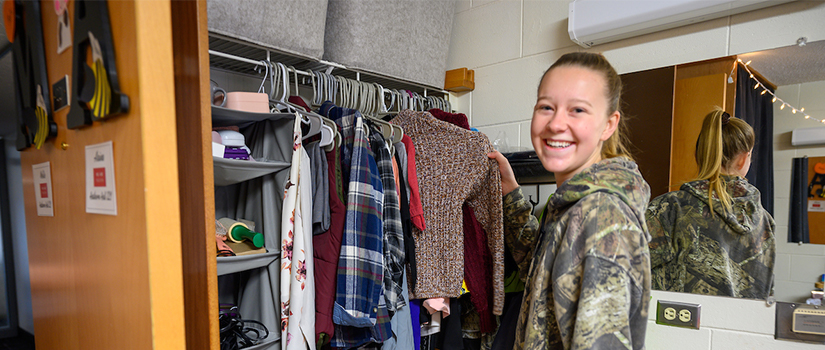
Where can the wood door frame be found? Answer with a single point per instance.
(196, 180)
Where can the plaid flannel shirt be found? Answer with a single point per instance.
(393, 231)
(359, 312)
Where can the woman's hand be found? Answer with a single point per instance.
(508, 180)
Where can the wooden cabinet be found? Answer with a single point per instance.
(664, 109)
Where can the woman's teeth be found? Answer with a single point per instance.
(558, 144)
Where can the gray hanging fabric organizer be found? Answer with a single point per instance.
(290, 26)
(253, 281)
(402, 39)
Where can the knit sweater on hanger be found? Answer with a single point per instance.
(453, 168)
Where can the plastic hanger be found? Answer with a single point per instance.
(265, 64)
(280, 90)
(368, 108)
(330, 137)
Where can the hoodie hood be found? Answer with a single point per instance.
(618, 176)
(746, 207)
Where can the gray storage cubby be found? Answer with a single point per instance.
(402, 39)
(253, 281)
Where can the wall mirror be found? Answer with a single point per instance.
(796, 76)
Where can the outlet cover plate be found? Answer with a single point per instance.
(678, 314)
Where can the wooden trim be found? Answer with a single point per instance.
(153, 21)
(694, 98)
(721, 65)
(194, 124)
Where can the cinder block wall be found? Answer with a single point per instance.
(509, 44)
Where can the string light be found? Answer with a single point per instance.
(766, 91)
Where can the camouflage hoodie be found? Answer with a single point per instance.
(588, 284)
(729, 253)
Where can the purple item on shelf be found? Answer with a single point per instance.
(236, 153)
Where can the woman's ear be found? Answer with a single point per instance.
(612, 125)
(740, 160)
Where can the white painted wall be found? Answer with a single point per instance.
(509, 44)
(797, 266)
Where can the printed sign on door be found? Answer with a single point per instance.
(42, 176)
(101, 197)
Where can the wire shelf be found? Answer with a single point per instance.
(238, 56)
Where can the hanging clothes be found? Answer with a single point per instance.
(478, 272)
(416, 211)
(360, 312)
(320, 188)
(401, 155)
(327, 248)
(453, 168)
(393, 232)
(297, 279)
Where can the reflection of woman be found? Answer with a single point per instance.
(586, 265)
(712, 236)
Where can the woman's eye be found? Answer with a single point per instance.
(546, 108)
(578, 110)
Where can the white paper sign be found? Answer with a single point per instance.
(816, 205)
(64, 33)
(100, 179)
(42, 175)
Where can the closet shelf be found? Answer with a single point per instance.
(232, 264)
(230, 117)
(254, 52)
(232, 171)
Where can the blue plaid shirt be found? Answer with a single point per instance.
(359, 313)
(393, 230)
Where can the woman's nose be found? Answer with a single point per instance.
(558, 122)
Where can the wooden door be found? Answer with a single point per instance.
(694, 98)
(116, 281)
(648, 113)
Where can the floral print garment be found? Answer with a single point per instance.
(297, 279)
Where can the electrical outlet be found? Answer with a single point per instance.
(673, 313)
(670, 314)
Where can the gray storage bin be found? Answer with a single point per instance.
(401, 39)
(291, 26)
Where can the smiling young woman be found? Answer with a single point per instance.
(585, 264)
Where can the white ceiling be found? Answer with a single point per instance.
(791, 64)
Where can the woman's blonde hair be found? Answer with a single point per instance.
(615, 145)
(722, 139)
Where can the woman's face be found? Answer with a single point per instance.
(571, 121)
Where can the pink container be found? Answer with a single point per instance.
(248, 101)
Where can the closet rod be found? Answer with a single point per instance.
(246, 60)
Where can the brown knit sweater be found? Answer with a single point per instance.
(453, 168)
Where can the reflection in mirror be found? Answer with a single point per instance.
(786, 80)
(713, 236)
